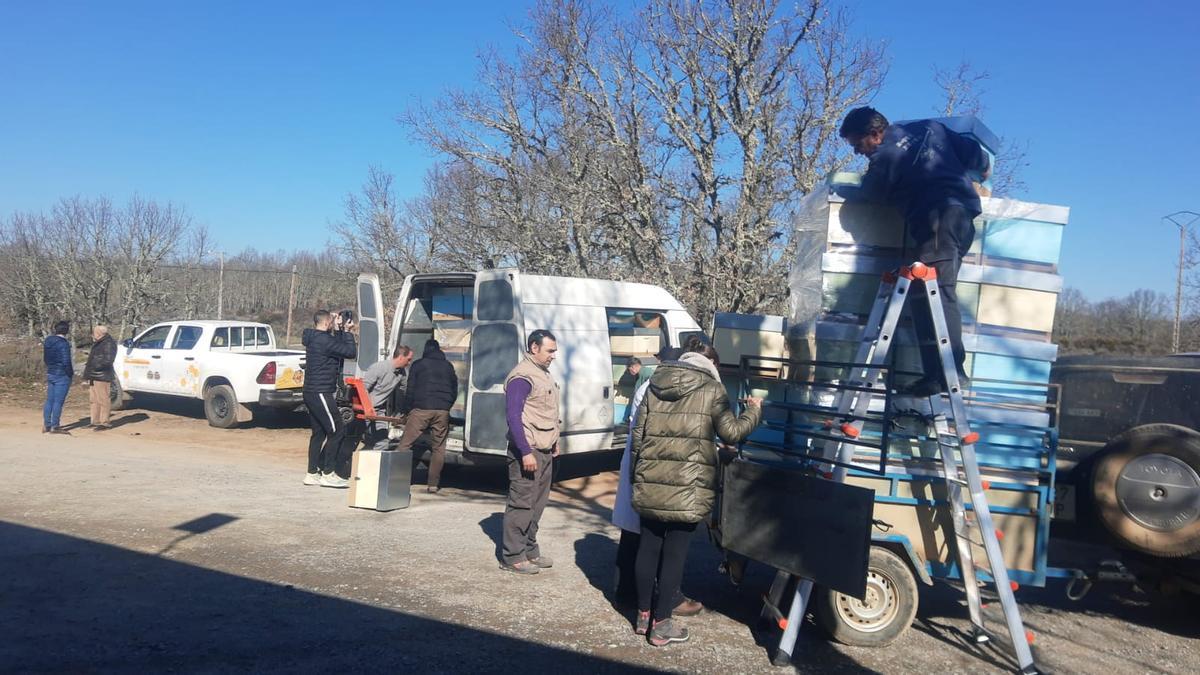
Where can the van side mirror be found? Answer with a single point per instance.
(127, 342)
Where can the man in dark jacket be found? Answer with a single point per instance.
(99, 374)
(924, 168)
(56, 353)
(326, 345)
(432, 390)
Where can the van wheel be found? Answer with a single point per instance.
(1146, 490)
(117, 398)
(882, 615)
(221, 406)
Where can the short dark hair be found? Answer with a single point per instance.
(634, 361)
(537, 337)
(863, 121)
(320, 315)
(401, 350)
(431, 345)
(62, 328)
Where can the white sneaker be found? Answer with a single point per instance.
(312, 479)
(332, 480)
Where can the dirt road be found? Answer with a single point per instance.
(164, 544)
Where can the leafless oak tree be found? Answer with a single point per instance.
(963, 89)
(669, 146)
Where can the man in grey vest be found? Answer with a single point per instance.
(531, 404)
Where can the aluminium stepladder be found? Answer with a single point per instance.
(956, 449)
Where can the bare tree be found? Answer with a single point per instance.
(962, 87)
(148, 235)
(666, 147)
(378, 232)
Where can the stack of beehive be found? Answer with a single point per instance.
(1007, 288)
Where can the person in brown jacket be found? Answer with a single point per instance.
(675, 474)
(531, 408)
(99, 374)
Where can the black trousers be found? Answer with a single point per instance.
(944, 235)
(662, 554)
(328, 430)
(527, 497)
(626, 587)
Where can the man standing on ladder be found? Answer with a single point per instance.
(922, 168)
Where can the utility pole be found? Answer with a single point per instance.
(220, 283)
(1188, 217)
(291, 304)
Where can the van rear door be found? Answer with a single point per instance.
(496, 346)
(371, 344)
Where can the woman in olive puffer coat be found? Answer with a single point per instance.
(675, 473)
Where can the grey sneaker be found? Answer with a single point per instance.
(643, 623)
(664, 632)
(542, 561)
(332, 480)
(521, 567)
(312, 479)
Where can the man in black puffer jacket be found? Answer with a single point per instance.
(99, 375)
(432, 390)
(326, 345)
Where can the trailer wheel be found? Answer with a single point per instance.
(1146, 490)
(883, 615)
(221, 406)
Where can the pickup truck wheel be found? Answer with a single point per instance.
(117, 398)
(883, 615)
(1146, 490)
(221, 406)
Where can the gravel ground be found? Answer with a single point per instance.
(166, 545)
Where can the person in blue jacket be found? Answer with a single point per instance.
(925, 169)
(56, 352)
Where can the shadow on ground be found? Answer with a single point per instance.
(268, 418)
(77, 606)
(117, 420)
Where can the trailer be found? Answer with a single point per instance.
(912, 536)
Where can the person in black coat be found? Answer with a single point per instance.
(98, 374)
(326, 345)
(432, 390)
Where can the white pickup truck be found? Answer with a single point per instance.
(233, 366)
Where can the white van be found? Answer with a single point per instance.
(482, 319)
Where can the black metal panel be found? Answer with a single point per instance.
(810, 527)
(495, 349)
(489, 429)
(495, 301)
(366, 301)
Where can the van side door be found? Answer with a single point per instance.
(371, 345)
(497, 344)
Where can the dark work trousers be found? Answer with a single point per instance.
(946, 233)
(376, 436)
(527, 497)
(327, 431)
(627, 550)
(662, 554)
(438, 424)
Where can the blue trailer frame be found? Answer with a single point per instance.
(1041, 478)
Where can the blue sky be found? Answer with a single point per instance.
(260, 117)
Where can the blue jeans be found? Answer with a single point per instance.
(56, 394)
